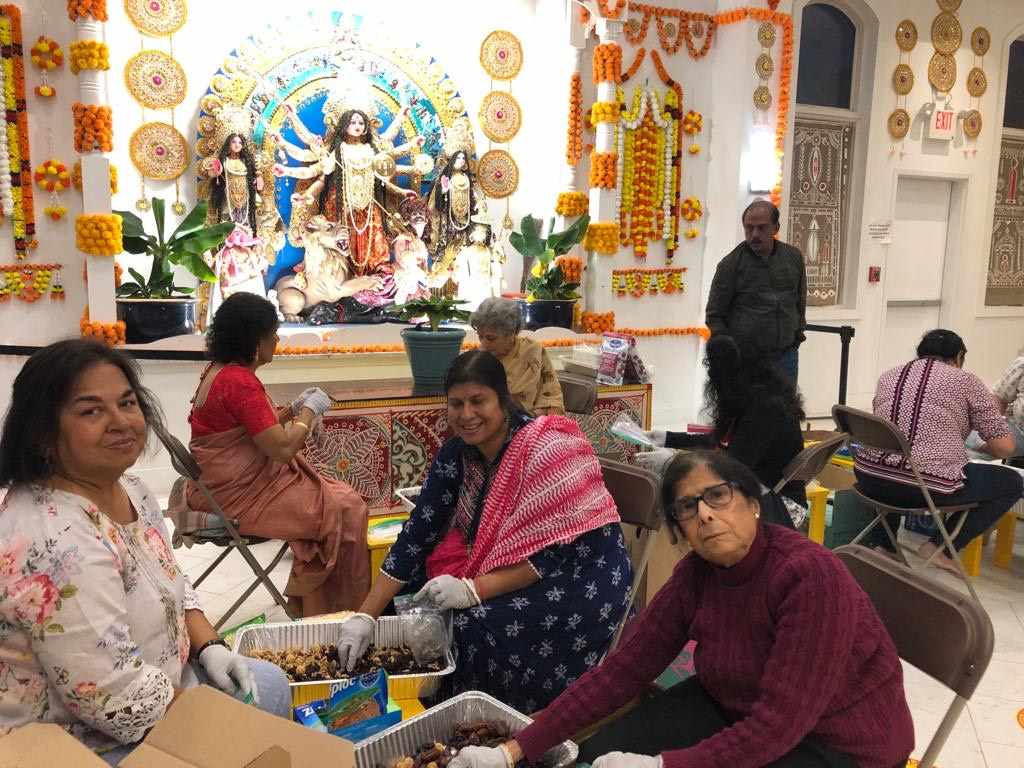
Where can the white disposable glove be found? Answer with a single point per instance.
(627, 760)
(656, 460)
(299, 401)
(318, 402)
(356, 634)
(480, 757)
(657, 436)
(449, 592)
(229, 672)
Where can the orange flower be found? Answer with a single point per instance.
(571, 203)
(602, 169)
(607, 64)
(87, 9)
(574, 136)
(93, 128)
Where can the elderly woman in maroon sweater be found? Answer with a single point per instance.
(794, 667)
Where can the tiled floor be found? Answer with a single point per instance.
(988, 734)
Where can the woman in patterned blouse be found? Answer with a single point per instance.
(515, 531)
(97, 621)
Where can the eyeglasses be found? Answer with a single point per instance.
(717, 496)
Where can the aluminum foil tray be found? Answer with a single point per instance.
(304, 635)
(438, 723)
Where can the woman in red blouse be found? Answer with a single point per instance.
(251, 461)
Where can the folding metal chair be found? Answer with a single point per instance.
(186, 465)
(870, 431)
(636, 493)
(579, 393)
(807, 464)
(934, 628)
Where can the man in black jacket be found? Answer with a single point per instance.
(759, 293)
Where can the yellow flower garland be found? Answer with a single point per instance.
(99, 234)
(602, 237)
(571, 203)
(89, 55)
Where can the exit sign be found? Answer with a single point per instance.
(942, 125)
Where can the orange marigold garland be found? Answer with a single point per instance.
(99, 234)
(597, 322)
(572, 268)
(607, 66)
(637, 61)
(16, 168)
(610, 11)
(87, 9)
(602, 237)
(47, 56)
(574, 137)
(111, 334)
(691, 330)
(638, 282)
(30, 282)
(52, 176)
(674, 27)
(93, 128)
(571, 203)
(602, 169)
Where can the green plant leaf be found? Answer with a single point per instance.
(129, 289)
(206, 239)
(195, 264)
(182, 289)
(193, 221)
(528, 242)
(138, 244)
(138, 277)
(563, 242)
(158, 217)
(131, 225)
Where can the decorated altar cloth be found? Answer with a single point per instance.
(379, 436)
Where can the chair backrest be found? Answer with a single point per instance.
(807, 464)
(182, 460)
(579, 394)
(869, 430)
(636, 493)
(939, 630)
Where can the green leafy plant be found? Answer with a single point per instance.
(185, 247)
(545, 277)
(437, 310)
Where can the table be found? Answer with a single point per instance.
(380, 436)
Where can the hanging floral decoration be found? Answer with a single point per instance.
(692, 209)
(674, 27)
(637, 61)
(16, 195)
(76, 176)
(47, 56)
(94, 128)
(693, 123)
(572, 268)
(597, 322)
(691, 330)
(602, 237)
(638, 282)
(604, 112)
(87, 55)
(362, 349)
(112, 334)
(87, 9)
(602, 169)
(574, 133)
(55, 212)
(30, 282)
(607, 65)
(52, 176)
(571, 203)
(99, 234)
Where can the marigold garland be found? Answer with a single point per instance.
(93, 128)
(692, 209)
(52, 176)
(607, 65)
(597, 322)
(89, 55)
(571, 203)
(608, 11)
(356, 349)
(76, 177)
(638, 281)
(111, 334)
(602, 237)
(30, 282)
(687, 25)
(574, 133)
(17, 166)
(55, 212)
(572, 268)
(87, 9)
(604, 112)
(47, 54)
(637, 61)
(602, 169)
(691, 330)
(99, 234)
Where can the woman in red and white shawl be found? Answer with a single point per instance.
(515, 531)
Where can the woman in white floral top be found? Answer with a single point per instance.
(97, 621)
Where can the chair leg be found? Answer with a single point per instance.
(956, 559)
(262, 577)
(870, 527)
(892, 538)
(942, 732)
(214, 564)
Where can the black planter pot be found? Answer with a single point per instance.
(149, 320)
(430, 354)
(544, 312)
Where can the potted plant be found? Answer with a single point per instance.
(431, 348)
(154, 307)
(550, 298)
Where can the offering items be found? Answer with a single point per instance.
(320, 663)
(437, 754)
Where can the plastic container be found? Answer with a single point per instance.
(304, 635)
(438, 723)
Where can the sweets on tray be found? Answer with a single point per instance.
(320, 662)
(437, 754)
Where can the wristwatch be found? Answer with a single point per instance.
(207, 644)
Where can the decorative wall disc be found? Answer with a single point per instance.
(501, 55)
(972, 124)
(159, 151)
(762, 97)
(977, 82)
(949, 5)
(942, 72)
(980, 41)
(947, 34)
(903, 79)
(155, 80)
(899, 123)
(498, 173)
(500, 116)
(906, 35)
(766, 34)
(157, 18)
(764, 66)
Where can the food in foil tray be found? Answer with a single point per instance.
(320, 662)
(437, 754)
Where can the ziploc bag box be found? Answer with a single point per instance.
(356, 709)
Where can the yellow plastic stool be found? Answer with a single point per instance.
(1005, 531)
(816, 498)
(970, 556)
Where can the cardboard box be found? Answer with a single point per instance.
(44, 745)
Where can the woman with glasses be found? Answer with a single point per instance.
(794, 666)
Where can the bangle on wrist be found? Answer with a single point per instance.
(207, 644)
